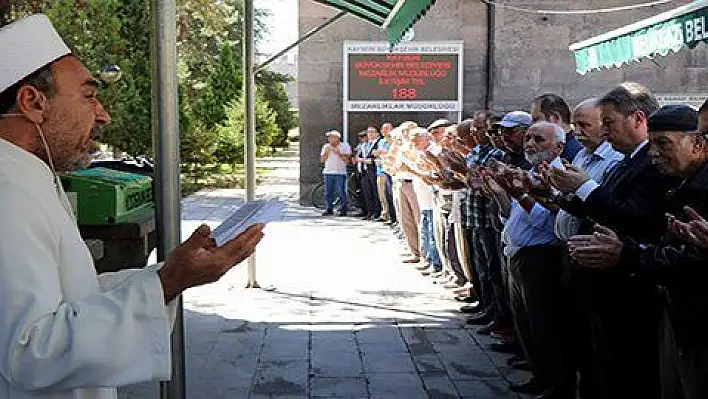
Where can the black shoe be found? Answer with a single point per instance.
(327, 213)
(471, 308)
(529, 387)
(479, 319)
(504, 348)
(487, 329)
(465, 299)
(518, 357)
(342, 214)
(523, 365)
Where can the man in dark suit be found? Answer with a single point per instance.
(678, 265)
(368, 181)
(632, 201)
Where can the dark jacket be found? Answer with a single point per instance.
(631, 201)
(572, 147)
(678, 269)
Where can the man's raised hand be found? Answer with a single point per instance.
(199, 261)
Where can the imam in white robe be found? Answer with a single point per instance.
(66, 332)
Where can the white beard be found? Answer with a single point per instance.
(540, 157)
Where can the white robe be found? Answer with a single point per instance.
(66, 332)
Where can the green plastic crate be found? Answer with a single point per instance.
(105, 196)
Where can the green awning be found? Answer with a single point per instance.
(684, 26)
(396, 16)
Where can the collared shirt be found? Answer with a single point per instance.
(67, 332)
(525, 229)
(584, 191)
(477, 206)
(383, 145)
(598, 164)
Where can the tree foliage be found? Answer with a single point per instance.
(103, 32)
(231, 143)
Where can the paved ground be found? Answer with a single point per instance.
(347, 318)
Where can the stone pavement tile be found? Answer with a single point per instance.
(413, 335)
(383, 334)
(343, 336)
(493, 388)
(470, 369)
(449, 336)
(391, 347)
(439, 386)
(421, 348)
(284, 350)
(219, 389)
(336, 364)
(396, 386)
(281, 378)
(324, 348)
(232, 373)
(275, 334)
(381, 362)
(338, 387)
(428, 363)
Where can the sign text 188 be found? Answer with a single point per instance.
(404, 94)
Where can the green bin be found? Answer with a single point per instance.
(103, 196)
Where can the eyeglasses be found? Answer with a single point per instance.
(510, 130)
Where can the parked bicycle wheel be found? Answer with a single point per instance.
(317, 197)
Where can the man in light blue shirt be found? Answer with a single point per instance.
(537, 297)
(598, 158)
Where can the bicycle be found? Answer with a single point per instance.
(354, 194)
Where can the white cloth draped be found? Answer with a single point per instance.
(66, 332)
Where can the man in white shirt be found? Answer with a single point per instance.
(66, 332)
(335, 155)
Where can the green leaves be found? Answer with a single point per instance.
(210, 73)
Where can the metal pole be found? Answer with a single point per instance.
(250, 125)
(307, 35)
(491, 26)
(165, 132)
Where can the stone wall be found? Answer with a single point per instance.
(531, 57)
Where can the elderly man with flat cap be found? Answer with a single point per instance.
(678, 265)
(66, 332)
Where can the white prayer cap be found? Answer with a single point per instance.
(333, 133)
(26, 46)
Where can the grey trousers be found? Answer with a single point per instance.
(538, 303)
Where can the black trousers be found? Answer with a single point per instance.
(371, 192)
(487, 262)
(684, 371)
(538, 295)
(616, 325)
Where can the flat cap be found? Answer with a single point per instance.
(673, 118)
(439, 123)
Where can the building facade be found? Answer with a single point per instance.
(529, 51)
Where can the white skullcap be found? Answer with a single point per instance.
(333, 133)
(26, 46)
